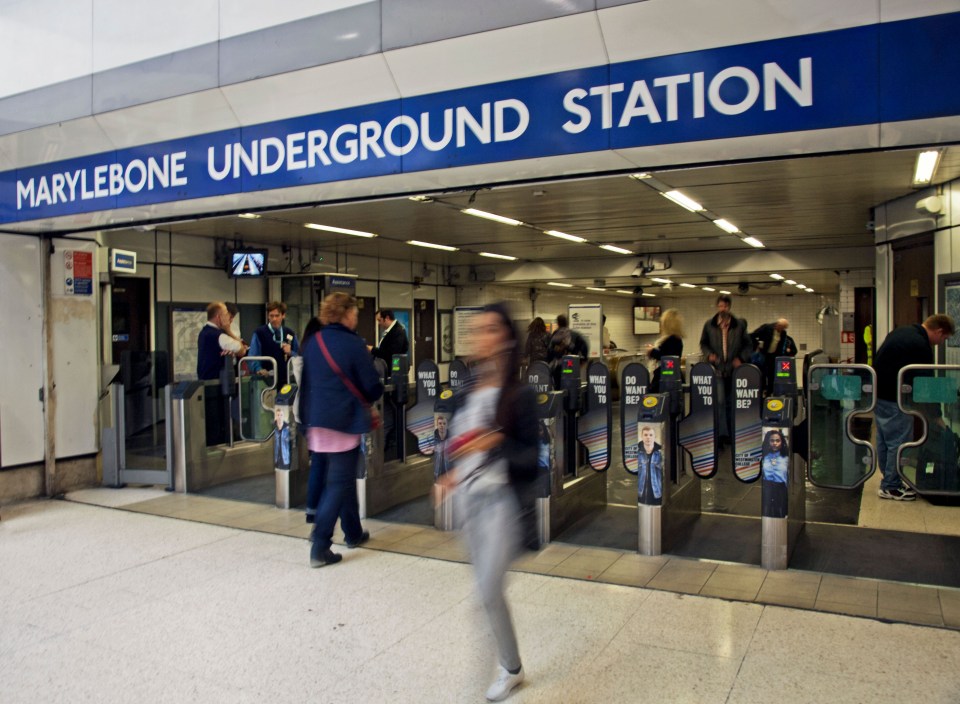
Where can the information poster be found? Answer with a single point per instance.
(462, 317)
(77, 273)
(587, 319)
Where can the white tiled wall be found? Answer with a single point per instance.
(800, 309)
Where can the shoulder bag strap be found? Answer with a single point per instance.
(333, 365)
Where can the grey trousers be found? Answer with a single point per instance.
(492, 531)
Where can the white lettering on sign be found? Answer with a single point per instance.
(498, 121)
(105, 179)
(690, 93)
(704, 387)
(745, 397)
(542, 388)
(429, 380)
(599, 382)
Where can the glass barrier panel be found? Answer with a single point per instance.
(256, 391)
(929, 464)
(839, 401)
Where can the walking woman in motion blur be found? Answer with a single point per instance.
(339, 384)
(494, 443)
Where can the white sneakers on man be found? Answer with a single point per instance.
(504, 684)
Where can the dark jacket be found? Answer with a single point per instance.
(739, 344)
(394, 342)
(671, 347)
(325, 401)
(565, 341)
(535, 348)
(264, 344)
(908, 344)
(762, 336)
(209, 354)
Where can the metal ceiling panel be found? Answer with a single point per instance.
(313, 90)
(514, 52)
(646, 29)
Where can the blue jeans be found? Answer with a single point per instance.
(339, 498)
(893, 429)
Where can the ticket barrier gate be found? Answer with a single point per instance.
(197, 465)
(387, 481)
(929, 464)
(291, 471)
(444, 517)
(575, 440)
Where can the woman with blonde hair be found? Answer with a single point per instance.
(669, 344)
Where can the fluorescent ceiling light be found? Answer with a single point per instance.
(809, 290)
(594, 288)
(563, 235)
(800, 285)
(643, 176)
(778, 277)
(707, 288)
(491, 216)
(753, 242)
(420, 199)
(556, 283)
(726, 226)
(431, 245)
(615, 248)
(661, 281)
(341, 230)
(620, 290)
(726, 292)
(683, 201)
(498, 256)
(791, 282)
(688, 285)
(926, 166)
(649, 295)
(249, 216)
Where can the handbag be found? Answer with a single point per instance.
(375, 420)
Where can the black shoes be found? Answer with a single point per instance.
(364, 537)
(319, 558)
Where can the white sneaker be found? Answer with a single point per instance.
(504, 684)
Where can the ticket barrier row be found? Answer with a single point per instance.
(669, 496)
(218, 429)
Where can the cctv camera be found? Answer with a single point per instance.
(668, 287)
(637, 273)
(637, 290)
(743, 287)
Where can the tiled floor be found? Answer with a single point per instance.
(891, 601)
(106, 606)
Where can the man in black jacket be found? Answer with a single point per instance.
(908, 344)
(394, 340)
(726, 344)
(772, 341)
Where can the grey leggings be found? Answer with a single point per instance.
(492, 532)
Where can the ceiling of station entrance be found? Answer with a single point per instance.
(789, 204)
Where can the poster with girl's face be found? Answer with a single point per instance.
(775, 469)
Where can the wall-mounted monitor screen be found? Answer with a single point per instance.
(248, 263)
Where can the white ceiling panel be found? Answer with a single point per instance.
(174, 118)
(647, 29)
(314, 90)
(515, 52)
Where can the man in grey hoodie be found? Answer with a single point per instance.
(726, 344)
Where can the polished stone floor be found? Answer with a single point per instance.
(174, 598)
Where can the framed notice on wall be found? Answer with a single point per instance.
(185, 326)
(462, 315)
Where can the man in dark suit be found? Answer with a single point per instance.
(394, 340)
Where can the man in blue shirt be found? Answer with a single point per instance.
(275, 340)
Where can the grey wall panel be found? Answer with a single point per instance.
(179, 73)
(44, 106)
(408, 23)
(314, 41)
